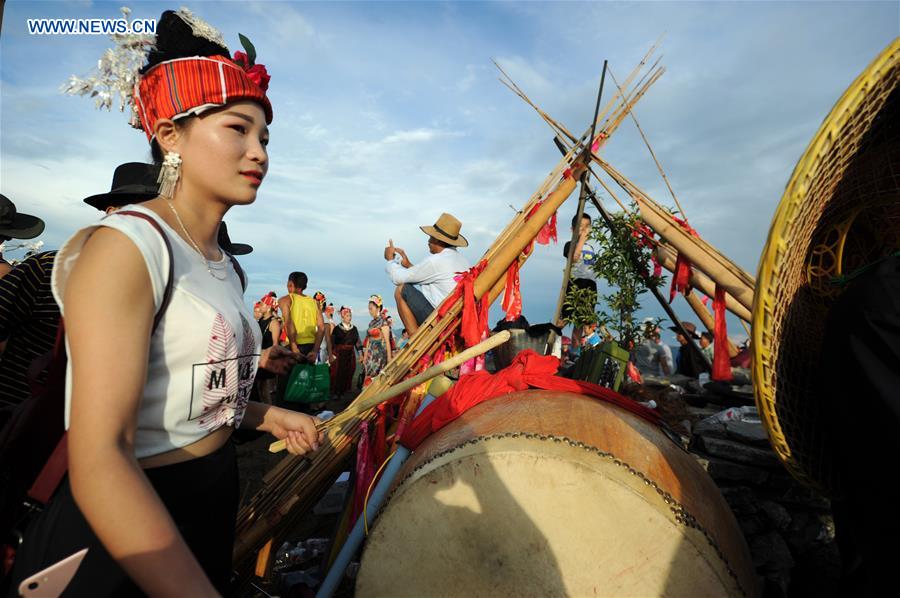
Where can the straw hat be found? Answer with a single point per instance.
(840, 211)
(446, 229)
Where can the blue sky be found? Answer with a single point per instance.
(387, 114)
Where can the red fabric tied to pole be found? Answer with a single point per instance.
(512, 294)
(644, 236)
(721, 369)
(474, 313)
(657, 267)
(378, 443)
(548, 231)
(681, 279)
(365, 471)
(528, 370)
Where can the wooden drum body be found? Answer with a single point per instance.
(542, 493)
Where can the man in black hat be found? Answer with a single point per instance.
(689, 362)
(232, 248)
(15, 225)
(133, 182)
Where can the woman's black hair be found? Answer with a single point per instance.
(176, 39)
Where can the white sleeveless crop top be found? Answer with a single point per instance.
(205, 350)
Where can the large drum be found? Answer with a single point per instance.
(542, 493)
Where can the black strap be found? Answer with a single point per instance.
(167, 294)
(445, 233)
(238, 269)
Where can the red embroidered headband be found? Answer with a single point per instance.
(269, 299)
(188, 72)
(185, 86)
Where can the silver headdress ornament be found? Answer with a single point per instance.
(117, 72)
(201, 28)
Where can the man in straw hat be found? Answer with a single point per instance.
(422, 287)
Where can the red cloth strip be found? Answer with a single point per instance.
(528, 370)
(512, 295)
(721, 369)
(681, 279)
(474, 313)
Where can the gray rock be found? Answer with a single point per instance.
(735, 451)
(775, 513)
(729, 471)
(702, 412)
(747, 433)
(751, 525)
(710, 428)
(801, 496)
(741, 499)
(770, 553)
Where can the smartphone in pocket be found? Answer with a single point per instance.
(51, 581)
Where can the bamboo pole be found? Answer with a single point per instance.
(666, 255)
(576, 226)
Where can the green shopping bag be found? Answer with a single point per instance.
(308, 383)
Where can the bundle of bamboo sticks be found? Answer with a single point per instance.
(294, 485)
(711, 267)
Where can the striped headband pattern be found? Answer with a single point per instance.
(193, 85)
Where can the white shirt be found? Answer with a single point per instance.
(204, 353)
(433, 275)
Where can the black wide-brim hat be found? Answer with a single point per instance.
(133, 182)
(232, 248)
(689, 327)
(15, 225)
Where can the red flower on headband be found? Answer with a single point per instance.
(247, 61)
(255, 72)
(242, 60)
(258, 74)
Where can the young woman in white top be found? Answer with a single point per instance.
(152, 486)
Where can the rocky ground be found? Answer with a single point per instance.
(788, 527)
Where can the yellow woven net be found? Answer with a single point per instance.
(840, 211)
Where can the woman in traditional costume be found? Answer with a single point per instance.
(325, 350)
(344, 341)
(376, 348)
(152, 487)
(270, 327)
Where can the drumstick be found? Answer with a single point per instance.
(445, 366)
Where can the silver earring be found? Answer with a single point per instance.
(169, 174)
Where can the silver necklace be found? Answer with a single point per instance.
(206, 262)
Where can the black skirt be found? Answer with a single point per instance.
(201, 496)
